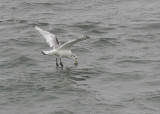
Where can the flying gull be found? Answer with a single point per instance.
(61, 51)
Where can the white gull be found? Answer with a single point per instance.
(61, 51)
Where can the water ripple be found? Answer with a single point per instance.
(20, 61)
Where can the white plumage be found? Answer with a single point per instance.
(50, 38)
(58, 49)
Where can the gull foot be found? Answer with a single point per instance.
(57, 65)
(61, 64)
(76, 63)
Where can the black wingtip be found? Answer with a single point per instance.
(43, 53)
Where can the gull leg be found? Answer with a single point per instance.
(56, 62)
(61, 63)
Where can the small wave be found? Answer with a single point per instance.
(44, 4)
(33, 4)
(97, 31)
(58, 30)
(136, 40)
(87, 72)
(22, 60)
(84, 26)
(16, 21)
(105, 42)
(108, 28)
(42, 24)
(148, 26)
(154, 97)
(147, 99)
(21, 42)
(138, 61)
(63, 112)
(100, 30)
(106, 57)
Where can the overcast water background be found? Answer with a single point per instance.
(118, 70)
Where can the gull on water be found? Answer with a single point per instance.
(61, 51)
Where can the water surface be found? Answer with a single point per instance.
(119, 67)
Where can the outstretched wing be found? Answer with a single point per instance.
(68, 44)
(50, 38)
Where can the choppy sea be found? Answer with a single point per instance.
(118, 70)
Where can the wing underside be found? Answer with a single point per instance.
(69, 44)
(50, 38)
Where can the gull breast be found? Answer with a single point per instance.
(64, 53)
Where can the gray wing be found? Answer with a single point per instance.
(67, 45)
(50, 38)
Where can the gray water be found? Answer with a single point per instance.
(118, 70)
